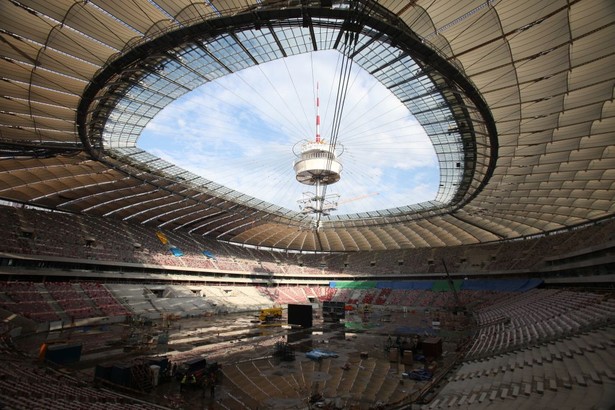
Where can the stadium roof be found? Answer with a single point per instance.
(517, 97)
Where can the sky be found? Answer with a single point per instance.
(243, 131)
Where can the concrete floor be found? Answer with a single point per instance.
(252, 377)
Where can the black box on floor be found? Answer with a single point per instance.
(120, 374)
(333, 311)
(103, 371)
(300, 315)
(195, 366)
(432, 347)
(63, 354)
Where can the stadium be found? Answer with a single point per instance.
(128, 281)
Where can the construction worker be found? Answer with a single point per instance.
(182, 383)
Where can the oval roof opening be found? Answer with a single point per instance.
(244, 130)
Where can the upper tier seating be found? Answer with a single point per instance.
(32, 232)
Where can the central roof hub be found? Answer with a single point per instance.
(317, 164)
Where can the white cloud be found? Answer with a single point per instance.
(240, 130)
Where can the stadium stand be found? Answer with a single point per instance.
(497, 292)
(27, 386)
(531, 343)
(26, 299)
(87, 238)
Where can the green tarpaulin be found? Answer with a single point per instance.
(354, 285)
(444, 285)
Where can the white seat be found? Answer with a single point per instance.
(540, 387)
(515, 391)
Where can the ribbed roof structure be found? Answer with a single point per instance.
(516, 96)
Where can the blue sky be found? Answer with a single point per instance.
(240, 130)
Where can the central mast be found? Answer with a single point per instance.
(317, 165)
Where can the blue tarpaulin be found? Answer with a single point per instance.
(176, 251)
(209, 255)
(501, 285)
(319, 354)
(408, 285)
(498, 285)
(420, 375)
